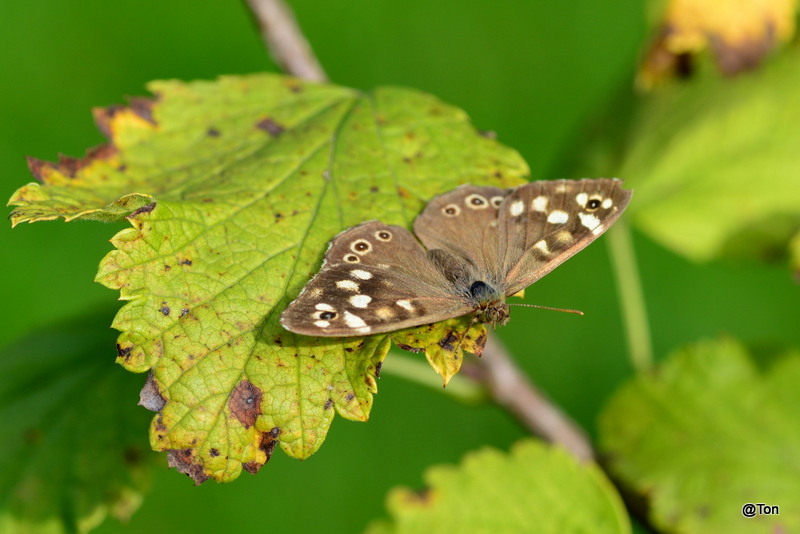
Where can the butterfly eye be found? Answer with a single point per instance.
(361, 246)
(351, 258)
(593, 204)
(383, 235)
(327, 315)
(496, 201)
(476, 202)
(451, 210)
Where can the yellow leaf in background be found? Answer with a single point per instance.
(739, 34)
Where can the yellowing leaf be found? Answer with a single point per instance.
(707, 434)
(535, 488)
(233, 189)
(738, 32)
(444, 352)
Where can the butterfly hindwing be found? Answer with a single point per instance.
(375, 278)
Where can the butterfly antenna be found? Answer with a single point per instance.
(565, 310)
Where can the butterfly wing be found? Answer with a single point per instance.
(542, 224)
(375, 278)
(464, 223)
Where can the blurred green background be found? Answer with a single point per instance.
(537, 73)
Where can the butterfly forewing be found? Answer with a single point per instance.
(375, 278)
(542, 224)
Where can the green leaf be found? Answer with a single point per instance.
(73, 450)
(234, 189)
(535, 488)
(706, 434)
(714, 163)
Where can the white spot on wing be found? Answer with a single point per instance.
(354, 321)
(405, 304)
(582, 199)
(542, 246)
(539, 204)
(360, 301)
(516, 208)
(322, 324)
(324, 307)
(598, 229)
(558, 217)
(347, 284)
(359, 273)
(363, 330)
(607, 203)
(589, 221)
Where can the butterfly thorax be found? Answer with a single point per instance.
(490, 304)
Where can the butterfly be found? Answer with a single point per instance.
(481, 245)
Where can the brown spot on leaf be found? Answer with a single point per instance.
(37, 167)
(150, 396)
(68, 166)
(350, 396)
(447, 341)
(403, 192)
(167, 267)
(143, 108)
(124, 353)
(184, 311)
(183, 460)
(144, 209)
(488, 134)
(245, 403)
(164, 308)
(268, 442)
(378, 369)
(213, 132)
(274, 129)
(159, 424)
(214, 452)
(374, 189)
(329, 404)
(409, 348)
(187, 261)
(480, 343)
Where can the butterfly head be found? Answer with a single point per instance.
(490, 304)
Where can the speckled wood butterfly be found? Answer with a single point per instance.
(483, 245)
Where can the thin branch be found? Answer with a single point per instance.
(511, 388)
(285, 41)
